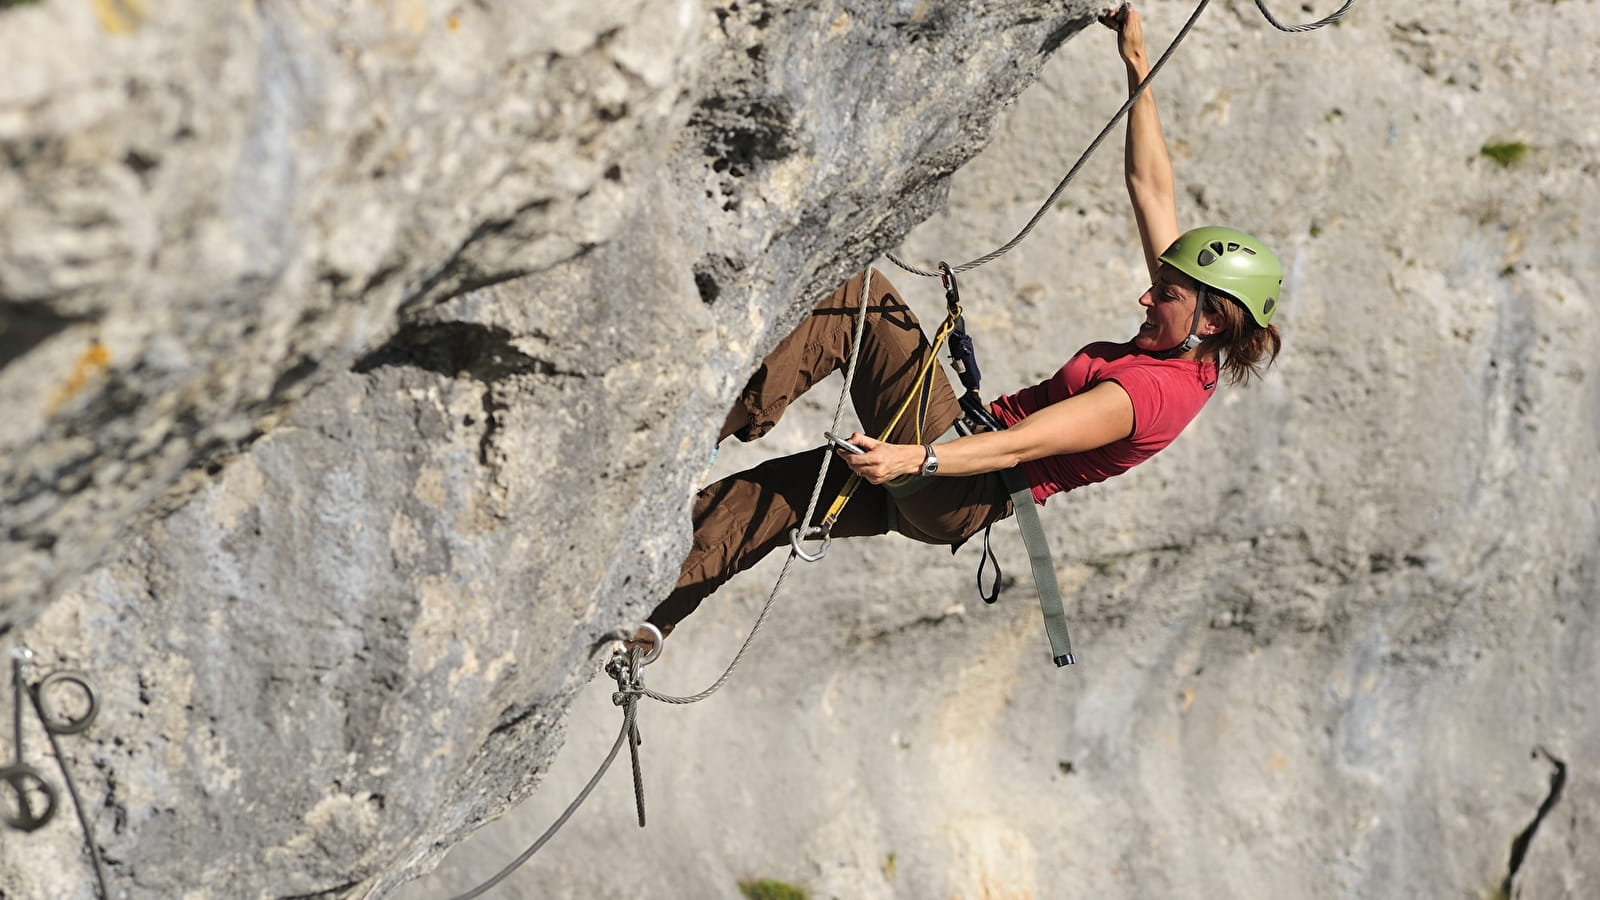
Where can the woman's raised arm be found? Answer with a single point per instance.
(1147, 166)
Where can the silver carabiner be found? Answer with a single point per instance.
(795, 539)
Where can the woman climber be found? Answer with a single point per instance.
(1111, 406)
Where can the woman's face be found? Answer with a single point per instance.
(1169, 311)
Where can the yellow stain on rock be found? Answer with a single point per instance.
(1277, 762)
(91, 362)
(990, 858)
(119, 16)
(413, 14)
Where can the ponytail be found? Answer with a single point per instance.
(1243, 349)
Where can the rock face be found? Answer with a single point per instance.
(364, 356)
(210, 209)
(1332, 642)
(359, 360)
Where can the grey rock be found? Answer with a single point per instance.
(1329, 641)
(360, 361)
(1333, 642)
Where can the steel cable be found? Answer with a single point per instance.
(1105, 132)
(628, 696)
(811, 509)
(616, 747)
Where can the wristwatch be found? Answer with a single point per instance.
(930, 462)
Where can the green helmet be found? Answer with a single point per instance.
(1232, 262)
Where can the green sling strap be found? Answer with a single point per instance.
(1033, 537)
(1044, 569)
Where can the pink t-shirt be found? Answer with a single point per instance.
(1166, 395)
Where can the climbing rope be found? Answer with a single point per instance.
(918, 395)
(1100, 138)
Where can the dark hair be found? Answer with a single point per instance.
(1243, 348)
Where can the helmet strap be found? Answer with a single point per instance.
(1193, 340)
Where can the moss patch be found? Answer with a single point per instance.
(770, 889)
(1505, 153)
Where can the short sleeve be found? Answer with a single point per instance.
(1144, 388)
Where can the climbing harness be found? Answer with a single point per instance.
(26, 782)
(977, 418)
(1094, 145)
(626, 666)
(920, 396)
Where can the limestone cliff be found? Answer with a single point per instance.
(1331, 641)
(359, 360)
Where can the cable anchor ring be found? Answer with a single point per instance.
(657, 643)
(24, 817)
(67, 724)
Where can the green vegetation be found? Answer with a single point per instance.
(770, 889)
(1506, 153)
(888, 866)
(7, 4)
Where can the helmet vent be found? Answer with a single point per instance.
(1206, 257)
(1266, 308)
(1247, 250)
(1217, 248)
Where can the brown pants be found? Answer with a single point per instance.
(741, 518)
